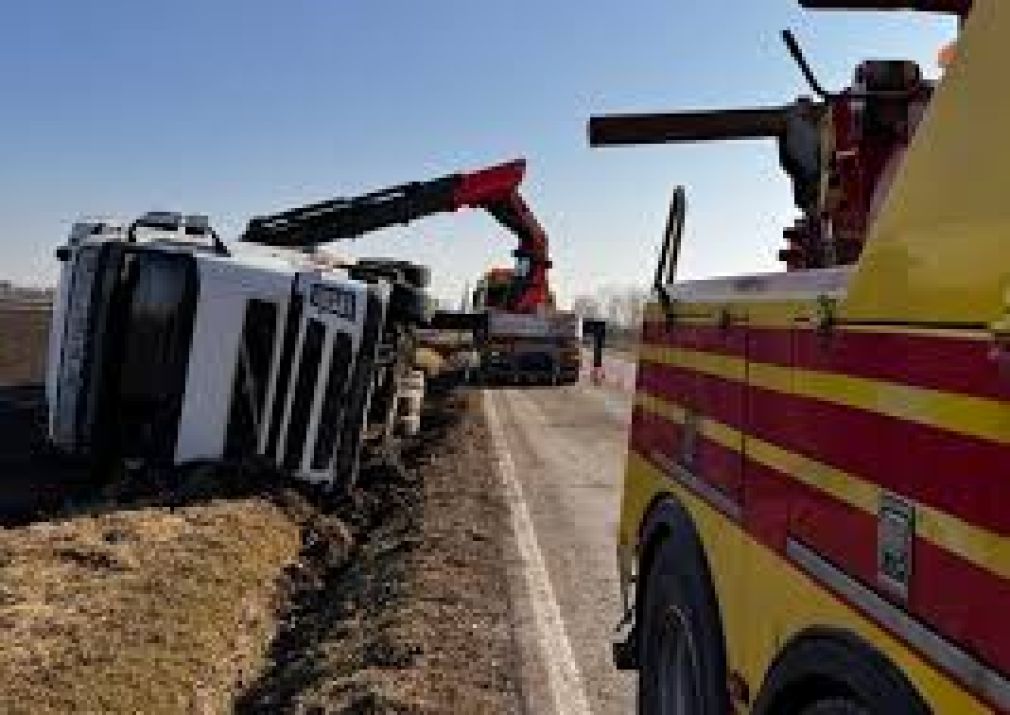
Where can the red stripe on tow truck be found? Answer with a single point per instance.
(918, 461)
(722, 467)
(964, 476)
(951, 594)
(946, 363)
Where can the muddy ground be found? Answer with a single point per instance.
(214, 592)
(418, 620)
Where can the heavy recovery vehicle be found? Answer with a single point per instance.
(519, 336)
(538, 346)
(169, 348)
(816, 504)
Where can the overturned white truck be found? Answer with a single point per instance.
(169, 349)
(169, 353)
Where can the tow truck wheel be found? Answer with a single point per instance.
(854, 679)
(680, 669)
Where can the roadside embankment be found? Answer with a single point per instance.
(418, 620)
(214, 591)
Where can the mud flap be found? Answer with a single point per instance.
(625, 644)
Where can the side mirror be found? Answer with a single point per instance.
(669, 251)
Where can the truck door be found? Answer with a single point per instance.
(904, 479)
(692, 378)
(713, 424)
(698, 372)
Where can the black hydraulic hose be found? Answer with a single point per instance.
(219, 245)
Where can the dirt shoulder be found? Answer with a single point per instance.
(418, 620)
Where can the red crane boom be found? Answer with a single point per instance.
(494, 189)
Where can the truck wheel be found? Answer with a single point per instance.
(852, 679)
(682, 670)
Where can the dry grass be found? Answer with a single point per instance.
(144, 611)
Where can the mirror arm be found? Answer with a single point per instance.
(669, 253)
(808, 74)
(667, 302)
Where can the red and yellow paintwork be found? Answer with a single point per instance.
(811, 400)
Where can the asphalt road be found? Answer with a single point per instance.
(566, 448)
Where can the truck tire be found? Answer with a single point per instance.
(681, 663)
(830, 672)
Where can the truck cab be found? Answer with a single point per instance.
(166, 350)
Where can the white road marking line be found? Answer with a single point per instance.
(563, 677)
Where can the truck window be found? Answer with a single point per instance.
(305, 390)
(255, 350)
(336, 398)
(524, 266)
(158, 304)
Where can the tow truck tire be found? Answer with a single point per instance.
(831, 672)
(681, 657)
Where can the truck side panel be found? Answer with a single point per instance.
(780, 601)
(831, 430)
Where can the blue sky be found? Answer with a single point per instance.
(233, 108)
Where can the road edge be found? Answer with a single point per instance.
(563, 677)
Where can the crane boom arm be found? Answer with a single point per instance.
(343, 218)
(670, 127)
(494, 189)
